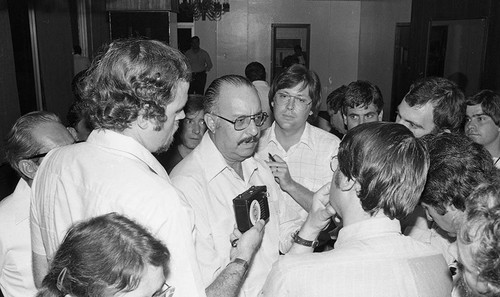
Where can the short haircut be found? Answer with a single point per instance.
(195, 38)
(78, 112)
(490, 103)
(446, 98)
(194, 103)
(482, 229)
(293, 76)
(255, 71)
(103, 255)
(458, 166)
(389, 163)
(362, 93)
(335, 99)
(133, 77)
(20, 142)
(213, 91)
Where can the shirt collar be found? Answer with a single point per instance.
(306, 138)
(128, 146)
(215, 163)
(373, 227)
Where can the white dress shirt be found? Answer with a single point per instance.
(209, 185)
(16, 275)
(112, 172)
(308, 162)
(370, 258)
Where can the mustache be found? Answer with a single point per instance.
(249, 139)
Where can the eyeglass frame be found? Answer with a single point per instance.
(300, 106)
(252, 117)
(163, 293)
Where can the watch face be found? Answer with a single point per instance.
(254, 212)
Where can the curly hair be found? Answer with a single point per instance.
(458, 166)
(133, 77)
(106, 254)
(446, 98)
(482, 229)
(389, 163)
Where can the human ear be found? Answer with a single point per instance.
(210, 122)
(142, 122)
(28, 168)
(380, 115)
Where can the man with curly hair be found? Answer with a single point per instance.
(136, 93)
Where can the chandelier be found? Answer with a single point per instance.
(211, 9)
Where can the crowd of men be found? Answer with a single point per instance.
(431, 175)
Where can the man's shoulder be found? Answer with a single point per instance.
(324, 136)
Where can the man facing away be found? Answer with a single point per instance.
(256, 73)
(482, 122)
(298, 153)
(433, 104)
(363, 103)
(221, 168)
(200, 63)
(380, 175)
(31, 137)
(477, 244)
(137, 92)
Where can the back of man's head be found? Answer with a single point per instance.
(362, 93)
(213, 91)
(335, 99)
(134, 77)
(446, 98)
(480, 235)
(21, 143)
(389, 163)
(490, 104)
(255, 71)
(458, 165)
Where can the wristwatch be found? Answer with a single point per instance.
(302, 241)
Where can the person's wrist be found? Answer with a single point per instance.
(305, 242)
(309, 231)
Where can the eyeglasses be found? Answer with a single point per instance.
(283, 99)
(36, 156)
(243, 122)
(166, 291)
(334, 164)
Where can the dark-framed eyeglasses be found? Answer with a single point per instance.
(36, 156)
(166, 291)
(242, 122)
(283, 98)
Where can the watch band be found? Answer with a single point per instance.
(299, 240)
(241, 262)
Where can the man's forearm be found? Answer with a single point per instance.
(229, 281)
(300, 194)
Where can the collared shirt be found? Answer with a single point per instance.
(200, 61)
(308, 162)
(209, 185)
(370, 258)
(112, 172)
(435, 237)
(16, 276)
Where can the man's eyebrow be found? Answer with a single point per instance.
(414, 124)
(477, 115)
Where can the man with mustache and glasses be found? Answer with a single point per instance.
(220, 168)
(299, 154)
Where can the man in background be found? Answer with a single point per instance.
(31, 137)
(363, 103)
(482, 122)
(433, 104)
(256, 73)
(200, 63)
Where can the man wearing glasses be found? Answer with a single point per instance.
(299, 154)
(29, 140)
(220, 168)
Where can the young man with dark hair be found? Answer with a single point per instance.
(363, 103)
(482, 122)
(381, 172)
(433, 104)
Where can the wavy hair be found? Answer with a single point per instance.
(490, 104)
(362, 93)
(104, 255)
(133, 77)
(389, 163)
(482, 230)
